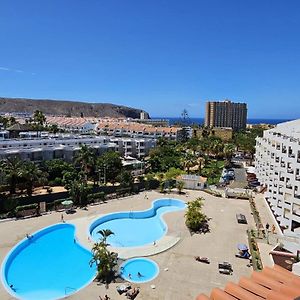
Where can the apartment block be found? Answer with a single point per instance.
(277, 164)
(226, 114)
(66, 146)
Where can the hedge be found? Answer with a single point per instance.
(96, 196)
(25, 207)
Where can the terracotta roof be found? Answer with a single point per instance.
(270, 284)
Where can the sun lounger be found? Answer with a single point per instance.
(225, 268)
(202, 259)
(123, 288)
(131, 294)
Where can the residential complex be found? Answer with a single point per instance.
(65, 147)
(226, 114)
(117, 127)
(277, 163)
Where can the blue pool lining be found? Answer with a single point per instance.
(23, 243)
(142, 214)
(137, 258)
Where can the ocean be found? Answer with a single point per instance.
(200, 121)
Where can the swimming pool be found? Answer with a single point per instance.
(136, 228)
(49, 265)
(139, 270)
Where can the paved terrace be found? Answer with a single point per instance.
(180, 277)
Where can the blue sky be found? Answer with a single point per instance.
(159, 55)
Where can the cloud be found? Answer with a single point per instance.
(14, 70)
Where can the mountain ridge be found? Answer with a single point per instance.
(70, 108)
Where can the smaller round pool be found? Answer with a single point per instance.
(139, 270)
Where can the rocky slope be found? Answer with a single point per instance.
(67, 108)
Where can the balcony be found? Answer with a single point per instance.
(297, 196)
(288, 186)
(296, 212)
(290, 171)
(297, 177)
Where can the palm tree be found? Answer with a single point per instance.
(79, 190)
(86, 159)
(32, 175)
(103, 258)
(189, 161)
(105, 233)
(39, 118)
(228, 151)
(216, 147)
(12, 168)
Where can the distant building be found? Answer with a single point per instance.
(226, 114)
(65, 147)
(72, 124)
(277, 167)
(144, 115)
(153, 122)
(193, 182)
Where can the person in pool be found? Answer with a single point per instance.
(139, 274)
(12, 287)
(129, 276)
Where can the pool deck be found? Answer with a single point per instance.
(180, 276)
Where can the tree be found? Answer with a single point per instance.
(7, 122)
(125, 179)
(79, 190)
(173, 173)
(162, 158)
(57, 167)
(195, 219)
(32, 176)
(189, 161)
(39, 118)
(228, 151)
(86, 158)
(105, 260)
(13, 168)
(180, 186)
(110, 165)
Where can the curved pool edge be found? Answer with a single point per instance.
(127, 212)
(143, 258)
(148, 250)
(20, 243)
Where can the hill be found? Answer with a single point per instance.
(67, 108)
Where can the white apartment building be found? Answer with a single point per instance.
(66, 146)
(277, 166)
(133, 146)
(63, 147)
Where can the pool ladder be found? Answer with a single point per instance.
(69, 288)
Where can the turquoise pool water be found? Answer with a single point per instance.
(147, 268)
(136, 228)
(50, 265)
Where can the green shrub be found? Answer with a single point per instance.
(195, 218)
(96, 196)
(26, 207)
